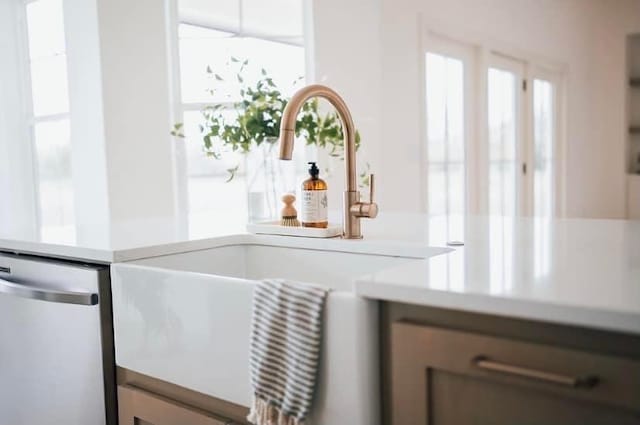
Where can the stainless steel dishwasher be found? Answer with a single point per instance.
(56, 343)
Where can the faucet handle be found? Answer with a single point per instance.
(371, 209)
(366, 209)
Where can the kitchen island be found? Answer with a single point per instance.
(476, 309)
(530, 321)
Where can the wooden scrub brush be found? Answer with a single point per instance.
(289, 213)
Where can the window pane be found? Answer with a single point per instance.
(502, 142)
(48, 62)
(53, 155)
(445, 134)
(275, 18)
(201, 48)
(45, 25)
(223, 14)
(49, 86)
(208, 189)
(543, 126)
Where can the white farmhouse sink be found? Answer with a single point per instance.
(185, 319)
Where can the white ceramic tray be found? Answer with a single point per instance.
(274, 228)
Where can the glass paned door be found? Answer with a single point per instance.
(544, 135)
(446, 129)
(505, 150)
(512, 164)
(445, 134)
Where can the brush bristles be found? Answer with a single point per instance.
(290, 221)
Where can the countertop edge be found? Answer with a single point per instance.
(62, 252)
(612, 321)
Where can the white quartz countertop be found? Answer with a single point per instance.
(574, 272)
(570, 271)
(122, 241)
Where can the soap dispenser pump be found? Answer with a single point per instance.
(315, 211)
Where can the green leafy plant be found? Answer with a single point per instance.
(255, 119)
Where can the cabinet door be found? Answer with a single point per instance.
(138, 407)
(444, 377)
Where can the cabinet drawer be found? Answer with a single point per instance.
(136, 406)
(565, 382)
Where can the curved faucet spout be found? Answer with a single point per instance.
(353, 209)
(288, 127)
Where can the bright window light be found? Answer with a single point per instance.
(543, 127)
(50, 114)
(210, 34)
(502, 142)
(445, 134)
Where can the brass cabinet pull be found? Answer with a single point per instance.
(485, 363)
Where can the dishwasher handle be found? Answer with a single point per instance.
(45, 294)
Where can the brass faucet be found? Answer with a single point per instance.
(353, 209)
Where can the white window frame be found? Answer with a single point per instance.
(31, 119)
(178, 107)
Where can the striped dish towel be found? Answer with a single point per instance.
(286, 333)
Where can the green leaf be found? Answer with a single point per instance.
(232, 173)
(176, 131)
(255, 118)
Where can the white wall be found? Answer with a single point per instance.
(88, 144)
(586, 37)
(122, 158)
(136, 105)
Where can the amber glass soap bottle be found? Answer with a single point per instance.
(314, 200)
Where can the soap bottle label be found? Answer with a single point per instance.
(314, 206)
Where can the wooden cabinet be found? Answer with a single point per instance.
(448, 377)
(143, 400)
(139, 407)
